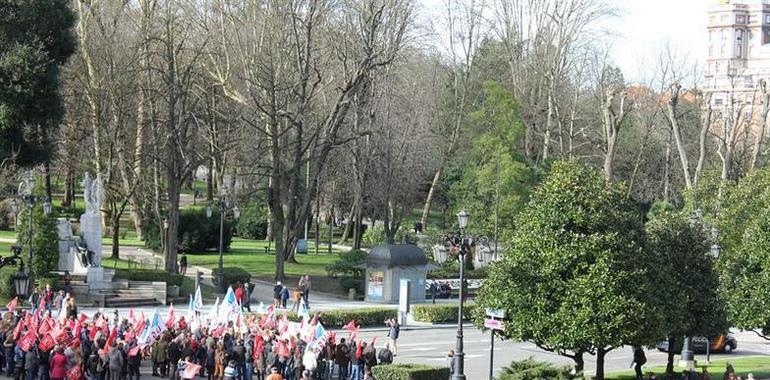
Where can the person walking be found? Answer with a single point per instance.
(219, 362)
(183, 264)
(639, 360)
(306, 285)
(393, 332)
(277, 294)
(30, 364)
(296, 296)
(433, 290)
(284, 296)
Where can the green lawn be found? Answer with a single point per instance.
(758, 365)
(250, 255)
(8, 235)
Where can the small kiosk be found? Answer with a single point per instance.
(387, 265)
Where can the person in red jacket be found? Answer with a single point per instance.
(239, 294)
(58, 365)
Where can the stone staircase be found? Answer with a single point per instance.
(121, 293)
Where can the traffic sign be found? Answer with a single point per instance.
(494, 324)
(495, 313)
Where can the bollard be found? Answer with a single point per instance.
(352, 294)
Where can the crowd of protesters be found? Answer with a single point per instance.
(51, 340)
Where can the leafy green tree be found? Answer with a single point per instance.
(746, 278)
(35, 41)
(575, 274)
(493, 161)
(687, 291)
(45, 239)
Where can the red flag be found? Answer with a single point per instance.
(27, 340)
(218, 331)
(171, 317)
(350, 326)
(17, 331)
(111, 339)
(75, 373)
(283, 349)
(190, 371)
(93, 332)
(46, 343)
(259, 346)
(140, 326)
(74, 343)
(374, 339)
(76, 329)
(45, 326)
(13, 304)
(83, 317)
(134, 351)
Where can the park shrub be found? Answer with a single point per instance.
(150, 275)
(6, 214)
(530, 369)
(451, 269)
(7, 289)
(196, 234)
(356, 283)
(350, 264)
(365, 317)
(440, 313)
(253, 221)
(232, 275)
(409, 372)
(373, 236)
(45, 243)
(199, 233)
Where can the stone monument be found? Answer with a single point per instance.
(91, 229)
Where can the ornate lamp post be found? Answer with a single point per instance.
(26, 194)
(223, 208)
(459, 355)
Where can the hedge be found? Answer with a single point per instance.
(196, 233)
(253, 221)
(150, 275)
(232, 275)
(365, 317)
(409, 372)
(440, 313)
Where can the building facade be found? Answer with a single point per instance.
(738, 50)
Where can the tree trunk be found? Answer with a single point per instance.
(115, 234)
(431, 194)
(47, 171)
(674, 122)
(667, 172)
(579, 362)
(762, 125)
(600, 354)
(704, 130)
(69, 188)
(670, 356)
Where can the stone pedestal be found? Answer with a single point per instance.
(91, 229)
(66, 260)
(95, 278)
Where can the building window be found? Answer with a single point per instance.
(740, 19)
(739, 43)
(718, 101)
(767, 19)
(748, 81)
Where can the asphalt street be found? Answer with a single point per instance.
(430, 346)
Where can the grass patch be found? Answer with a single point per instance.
(250, 255)
(8, 235)
(758, 365)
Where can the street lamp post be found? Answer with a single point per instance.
(236, 214)
(26, 193)
(459, 355)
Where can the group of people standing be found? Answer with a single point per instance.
(300, 294)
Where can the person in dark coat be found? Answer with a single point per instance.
(639, 360)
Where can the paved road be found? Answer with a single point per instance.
(430, 347)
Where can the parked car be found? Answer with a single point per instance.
(719, 343)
